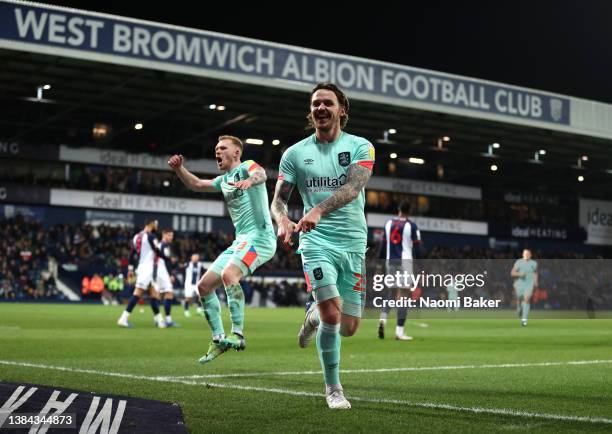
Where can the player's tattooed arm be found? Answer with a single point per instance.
(357, 178)
(280, 211)
(258, 176)
(282, 193)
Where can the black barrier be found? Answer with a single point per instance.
(69, 411)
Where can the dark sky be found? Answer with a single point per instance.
(562, 46)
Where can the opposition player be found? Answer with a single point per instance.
(400, 239)
(244, 190)
(330, 169)
(144, 248)
(525, 272)
(161, 274)
(193, 272)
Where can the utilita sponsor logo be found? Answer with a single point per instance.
(325, 182)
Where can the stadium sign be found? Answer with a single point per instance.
(412, 186)
(536, 232)
(596, 219)
(110, 157)
(135, 202)
(10, 149)
(107, 38)
(40, 408)
(430, 224)
(12, 193)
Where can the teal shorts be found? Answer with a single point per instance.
(247, 252)
(523, 290)
(332, 274)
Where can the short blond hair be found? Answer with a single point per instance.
(235, 140)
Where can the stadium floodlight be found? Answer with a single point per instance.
(220, 108)
(212, 106)
(415, 160)
(276, 142)
(536, 156)
(580, 178)
(386, 135)
(490, 149)
(166, 183)
(254, 141)
(39, 90)
(393, 155)
(494, 167)
(581, 159)
(446, 139)
(138, 126)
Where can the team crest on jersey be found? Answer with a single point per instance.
(317, 273)
(308, 161)
(236, 177)
(344, 158)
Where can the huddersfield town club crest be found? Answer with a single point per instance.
(237, 177)
(344, 158)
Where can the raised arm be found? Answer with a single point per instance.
(191, 181)
(280, 211)
(357, 178)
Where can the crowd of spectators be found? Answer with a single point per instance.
(24, 263)
(27, 248)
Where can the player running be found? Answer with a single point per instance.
(243, 187)
(525, 271)
(400, 239)
(193, 273)
(330, 169)
(144, 247)
(161, 274)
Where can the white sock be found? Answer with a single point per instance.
(124, 316)
(399, 331)
(158, 318)
(168, 318)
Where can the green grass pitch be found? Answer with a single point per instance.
(459, 375)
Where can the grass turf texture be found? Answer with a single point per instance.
(86, 337)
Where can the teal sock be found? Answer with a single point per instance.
(235, 301)
(328, 346)
(526, 307)
(212, 311)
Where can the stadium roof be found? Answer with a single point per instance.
(174, 108)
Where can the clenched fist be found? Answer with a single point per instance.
(176, 161)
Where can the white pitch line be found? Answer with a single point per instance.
(406, 369)
(431, 405)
